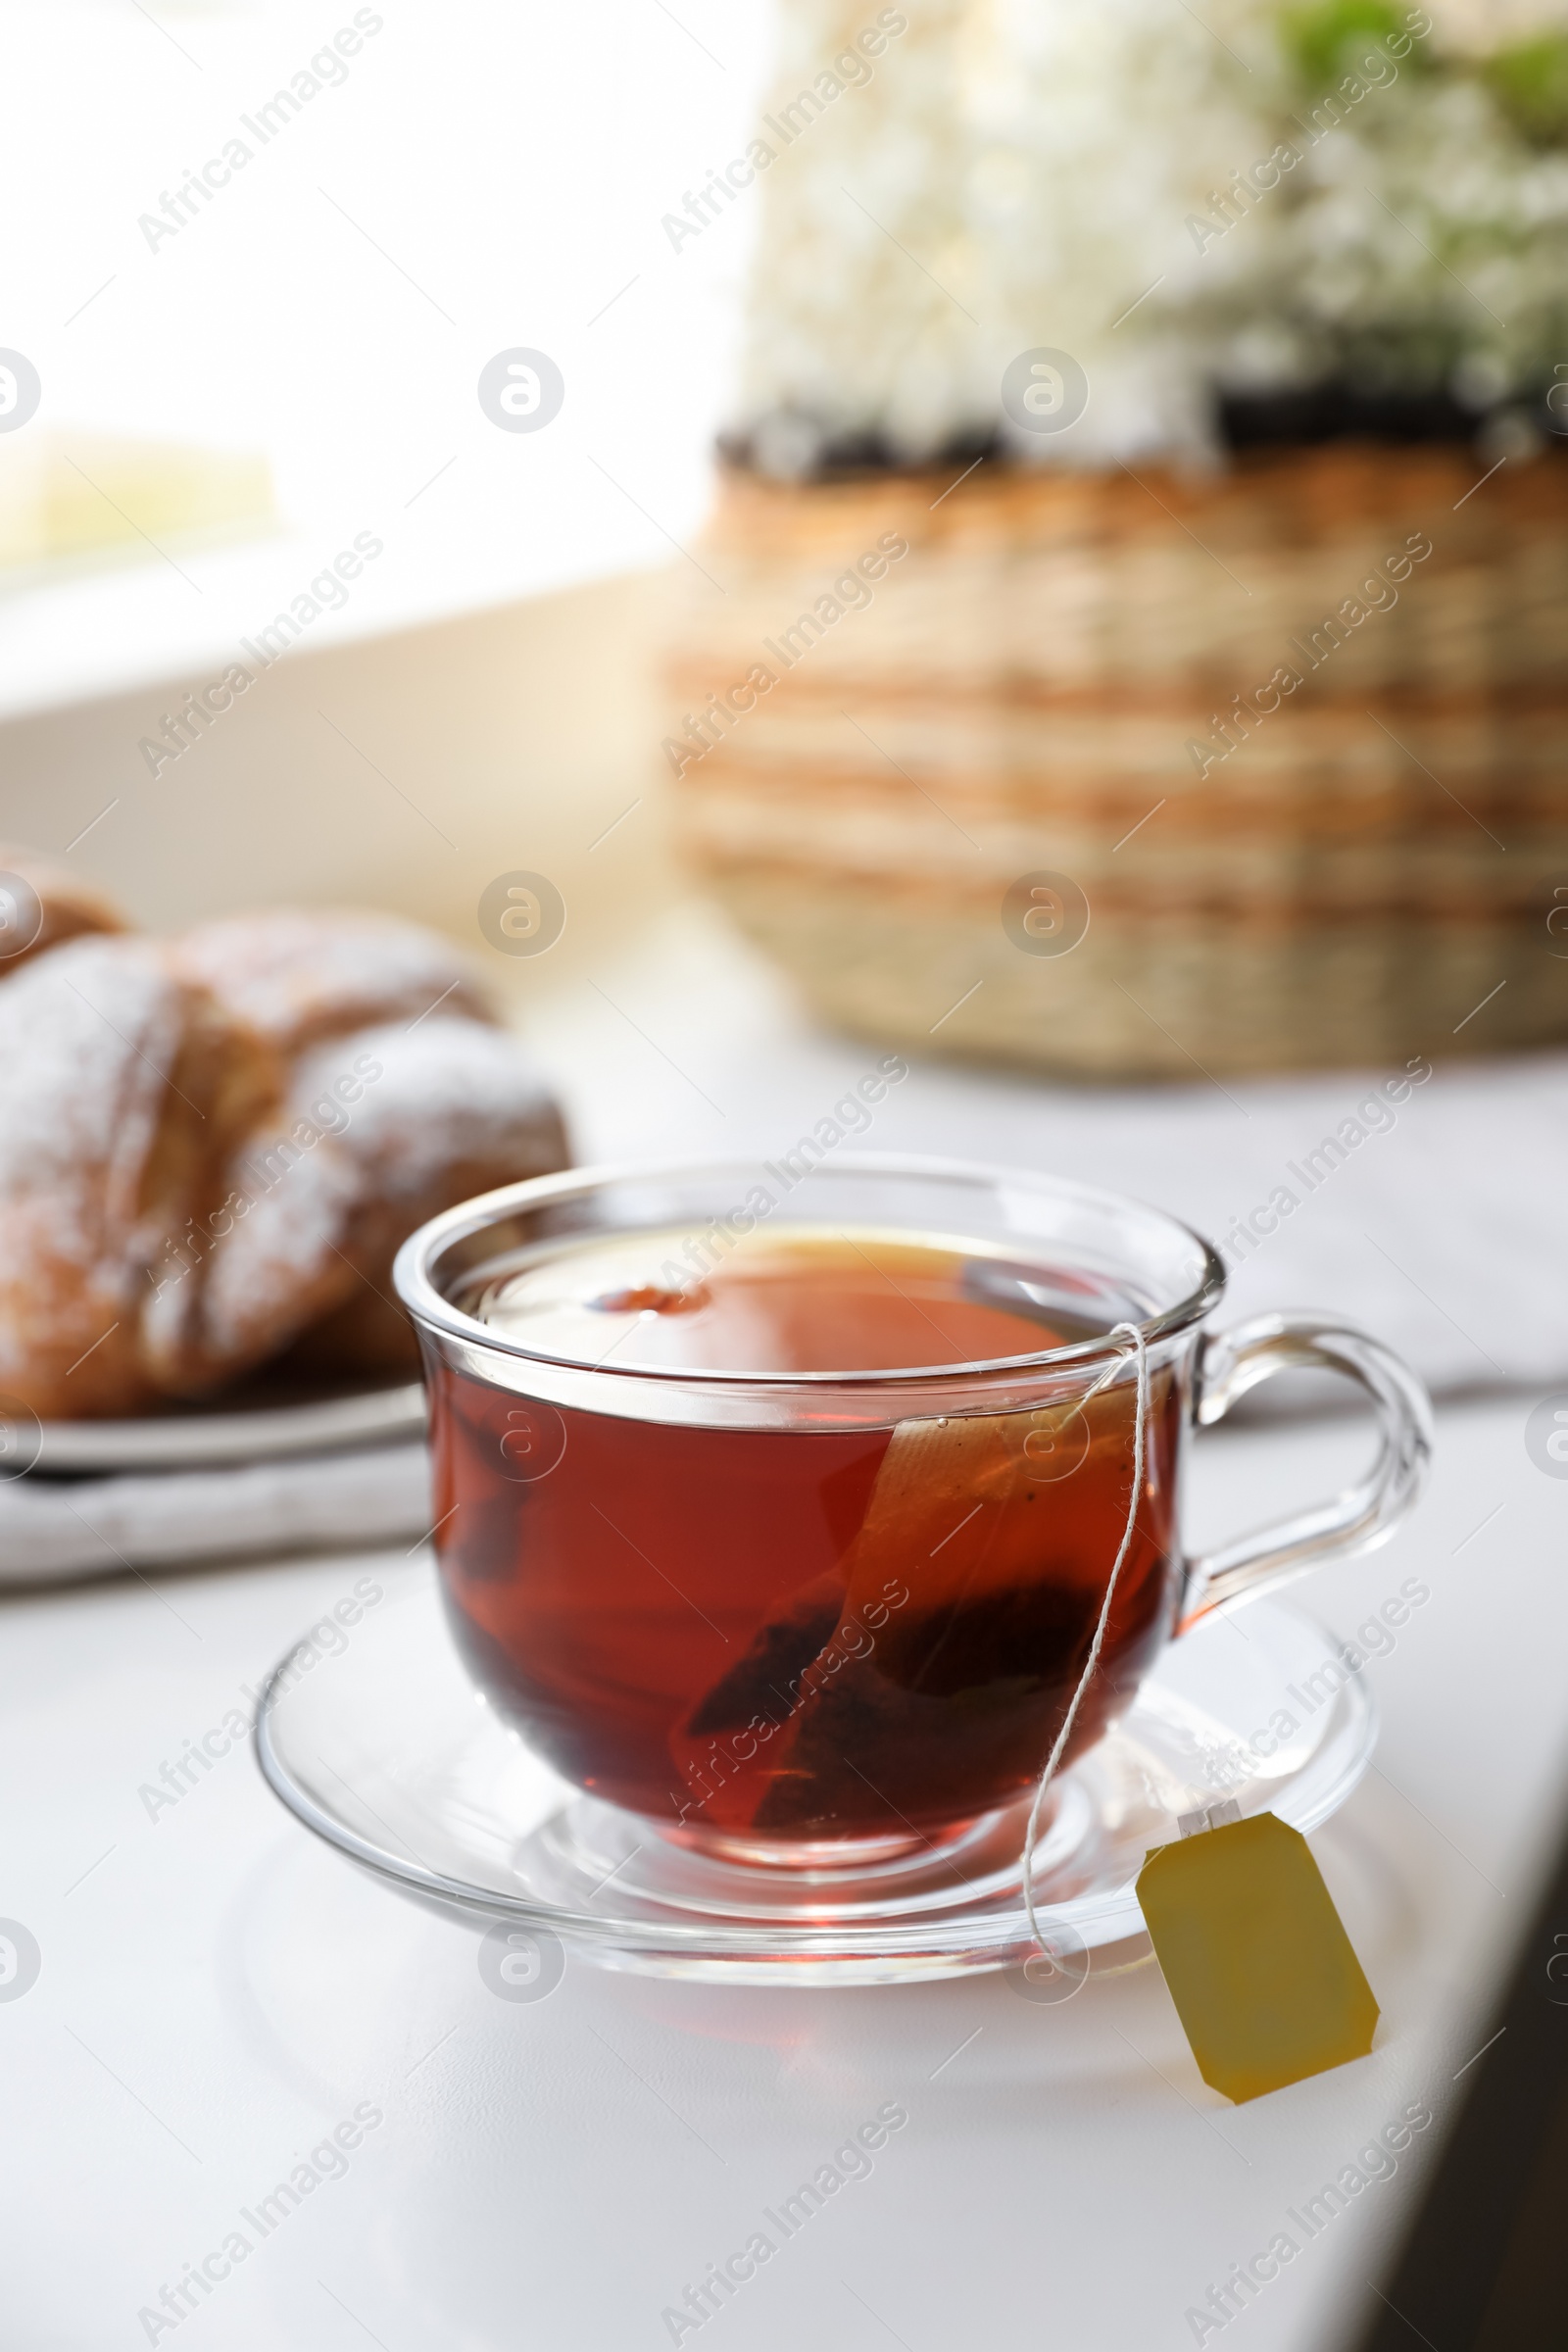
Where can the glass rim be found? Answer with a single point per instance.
(430, 1310)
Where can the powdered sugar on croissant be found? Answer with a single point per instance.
(449, 1096)
(126, 1091)
(381, 1130)
(298, 975)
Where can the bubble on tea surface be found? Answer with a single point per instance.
(531, 1442)
(651, 1298)
(19, 1959)
(522, 1964)
(1054, 1973)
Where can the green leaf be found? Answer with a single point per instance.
(1317, 36)
(1529, 82)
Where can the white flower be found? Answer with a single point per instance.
(1095, 176)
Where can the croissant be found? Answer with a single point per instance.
(298, 976)
(127, 1092)
(217, 1145)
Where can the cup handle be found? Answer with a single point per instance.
(1364, 1515)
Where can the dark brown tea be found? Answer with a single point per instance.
(777, 1638)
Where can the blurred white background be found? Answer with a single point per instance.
(479, 179)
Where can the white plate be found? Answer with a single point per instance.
(202, 1437)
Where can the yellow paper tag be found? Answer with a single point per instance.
(1262, 1974)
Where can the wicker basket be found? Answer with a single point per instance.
(1066, 705)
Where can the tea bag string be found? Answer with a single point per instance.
(1130, 1331)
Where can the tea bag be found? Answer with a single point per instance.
(774, 1661)
(931, 1467)
(934, 1619)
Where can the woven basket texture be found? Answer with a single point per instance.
(1084, 678)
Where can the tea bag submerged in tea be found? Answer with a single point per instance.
(966, 1642)
(777, 1658)
(960, 1621)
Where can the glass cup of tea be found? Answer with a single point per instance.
(776, 1505)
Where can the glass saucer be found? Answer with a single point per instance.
(390, 1755)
